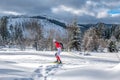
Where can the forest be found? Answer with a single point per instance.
(99, 37)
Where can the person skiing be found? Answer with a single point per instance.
(57, 54)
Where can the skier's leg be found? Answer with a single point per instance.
(58, 55)
(58, 58)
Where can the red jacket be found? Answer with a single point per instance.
(57, 45)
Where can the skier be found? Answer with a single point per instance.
(57, 54)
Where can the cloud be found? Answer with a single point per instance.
(115, 15)
(85, 10)
(111, 3)
(79, 12)
(11, 13)
(63, 8)
(102, 15)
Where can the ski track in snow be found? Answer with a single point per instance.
(38, 65)
(45, 72)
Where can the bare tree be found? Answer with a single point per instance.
(49, 39)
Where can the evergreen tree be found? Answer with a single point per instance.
(112, 44)
(112, 47)
(3, 28)
(107, 33)
(117, 32)
(75, 36)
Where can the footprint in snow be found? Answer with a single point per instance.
(44, 71)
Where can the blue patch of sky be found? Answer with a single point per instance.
(115, 11)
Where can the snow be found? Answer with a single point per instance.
(47, 27)
(117, 68)
(37, 65)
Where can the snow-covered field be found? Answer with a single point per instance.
(37, 65)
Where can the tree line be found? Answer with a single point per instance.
(97, 38)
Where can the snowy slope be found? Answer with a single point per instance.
(46, 24)
(37, 65)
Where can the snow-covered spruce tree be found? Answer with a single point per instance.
(107, 33)
(117, 35)
(100, 30)
(16, 36)
(11, 33)
(3, 28)
(114, 38)
(112, 45)
(118, 45)
(1, 40)
(20, 38)
(74, 35)
(117, 32)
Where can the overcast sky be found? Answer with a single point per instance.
(86, 11)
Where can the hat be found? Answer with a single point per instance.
(54, 40)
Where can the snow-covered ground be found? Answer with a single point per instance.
(37, 65)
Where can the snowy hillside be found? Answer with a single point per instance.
(37, 65)
(27, 33)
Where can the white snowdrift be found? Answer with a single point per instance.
(88, 73)
(117, 68)
(36, 65)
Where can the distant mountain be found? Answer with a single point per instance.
(46, 23)
(84, 27)
(59, 27)
(62, 24)
(54, 21)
